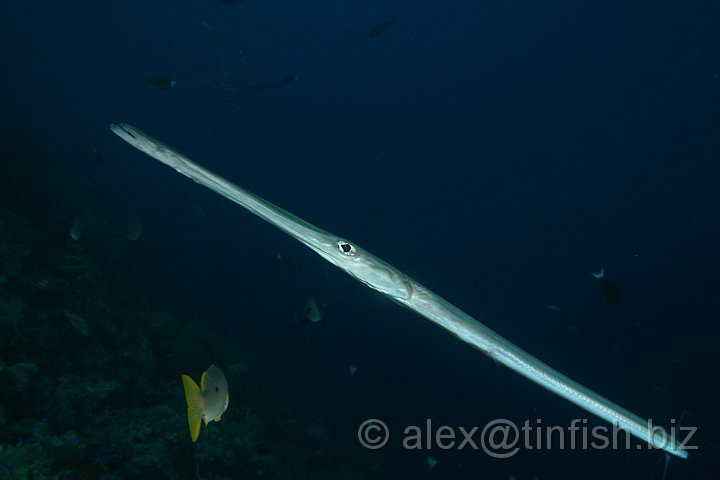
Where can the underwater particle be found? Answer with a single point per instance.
(78, 323)
(352, 370)
(283, 259)
(134, 229)
(75, 231)
(311, 312)
(288, 79)
(380, 28)
(285, 80)
(607, 289)
(206, 402)
(98, 156)
(431, 462)
(161, 82)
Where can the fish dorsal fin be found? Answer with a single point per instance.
(202, 381)
(204, 378)
(193, 397)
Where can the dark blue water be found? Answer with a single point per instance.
(498, 153)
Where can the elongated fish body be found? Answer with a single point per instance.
(380, 276)
(206, 402)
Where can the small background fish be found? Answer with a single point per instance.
(378, 29)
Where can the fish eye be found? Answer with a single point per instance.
(217, 389)
(346, 248)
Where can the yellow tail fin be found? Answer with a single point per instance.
(193, 397)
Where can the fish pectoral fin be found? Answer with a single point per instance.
(217, 419)
(193, 397)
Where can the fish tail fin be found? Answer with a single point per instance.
(193, 397)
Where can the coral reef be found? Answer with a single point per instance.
(91, 386)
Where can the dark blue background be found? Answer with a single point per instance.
(495, 151)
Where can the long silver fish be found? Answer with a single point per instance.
(379, 275)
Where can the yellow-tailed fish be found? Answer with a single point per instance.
(206, 402)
